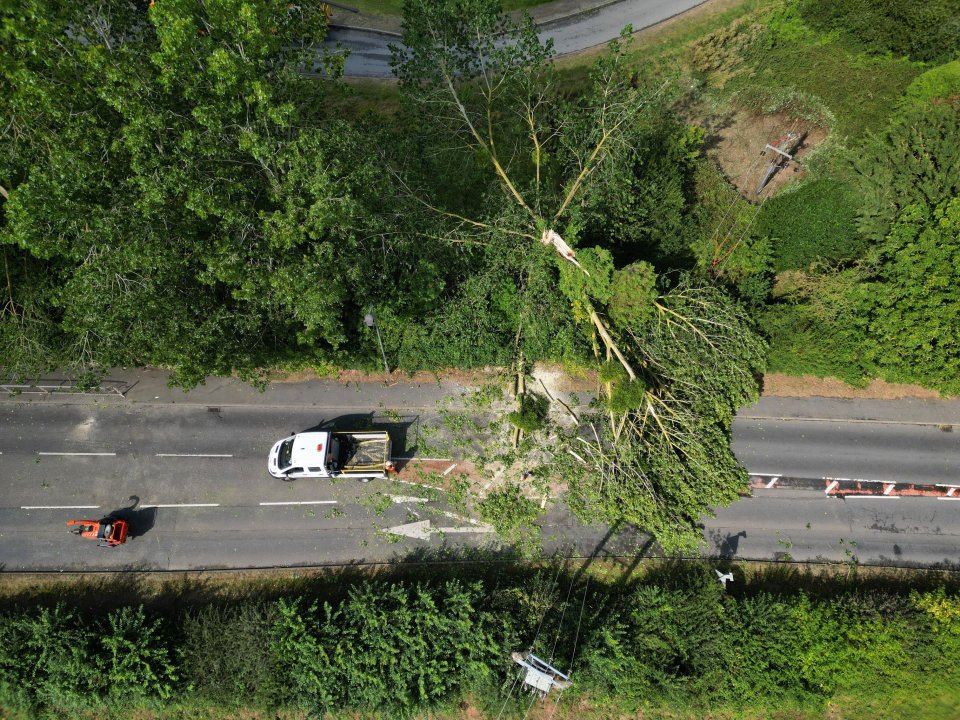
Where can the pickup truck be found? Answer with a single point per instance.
(359, 454)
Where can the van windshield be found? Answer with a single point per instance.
(286, 451)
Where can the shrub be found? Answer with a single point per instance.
(816, 221)
(532, 413)
(221, 652)
(939, 83)
(723, 49)
(928, 31)
(511, 513)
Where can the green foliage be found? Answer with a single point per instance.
(722, 50)
(939, 83)
(666, 462)
(639, 201)
(916, 160)
(385, 647)
(912, 307)
(532, 413)
(155, 142)
(583, 289)
(667, 639)
(134, 662)
(221, 653)
(627, 395)
(822, 79)
(632, 295)
(511, 513)
(53, 659)
(814, 326)
(815, 221)
(792, 101)
(927, 31)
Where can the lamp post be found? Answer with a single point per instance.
(370, 321)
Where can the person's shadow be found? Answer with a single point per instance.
(727, 544)
(140, 521)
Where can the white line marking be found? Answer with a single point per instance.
(831, 487)
(951, 491)
(869, 480)
(189, 455)
(407, 499)
(948, 498)
(873, 497)
(59, 507)
(449, 469)
(889, 488)
(73, 453)
(948, 485)
(302, 502)
(757, 474)
(772, 482)
(176, 505)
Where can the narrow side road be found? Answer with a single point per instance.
(370, 55)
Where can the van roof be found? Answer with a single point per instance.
(309, 449)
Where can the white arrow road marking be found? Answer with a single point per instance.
(475, 523)
(422, 530)
(479, 529)
(302, 502)
(417, 530)
(59, 507)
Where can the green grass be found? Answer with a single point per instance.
(662, 49)
(395, 7)
(860, 90)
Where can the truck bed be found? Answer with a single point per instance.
(363, 451)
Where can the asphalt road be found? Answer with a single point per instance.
(194, 485)
(853, 450)
(370, 56)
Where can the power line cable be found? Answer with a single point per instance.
(560, 624)
(510, 694)
(532, 701)
(544, 616)
(576, 637)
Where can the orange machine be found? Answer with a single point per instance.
(109, 532)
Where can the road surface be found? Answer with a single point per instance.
(193, 481)
(370, 55)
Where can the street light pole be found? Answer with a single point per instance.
(370, 321)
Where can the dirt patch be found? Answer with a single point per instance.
(470, 378)
(559, 381)
(779, 385)
(736, 140)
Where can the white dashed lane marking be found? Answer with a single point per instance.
(104, 454)
(59, 507)
(302, 502)
(180, 505)
(192, 455)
